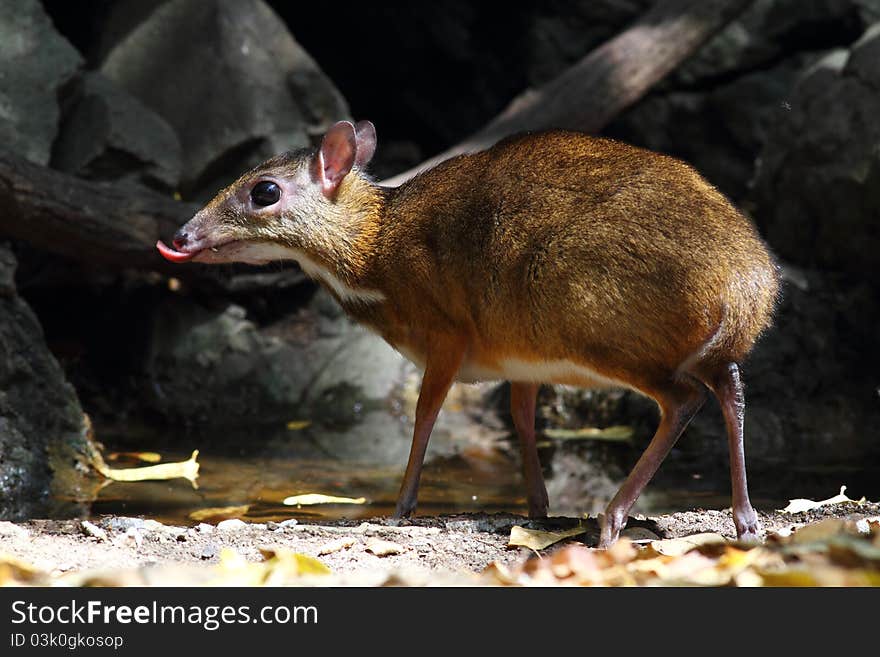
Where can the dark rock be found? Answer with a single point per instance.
(214, 369)
(741, 46)
(770, 31)
(719, 131)
(817, 188)
(811, 388)
(438, 71)
(35, 62)
(41, 422)
(717, 109)
(108, 134)
(869, 10)
(250, 90)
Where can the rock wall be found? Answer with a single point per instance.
(41, 422)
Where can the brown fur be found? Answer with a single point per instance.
(564, 246)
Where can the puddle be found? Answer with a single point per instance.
(471, 479)
(463, 473)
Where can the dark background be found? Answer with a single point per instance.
(779, 111)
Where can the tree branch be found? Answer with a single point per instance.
(592, 92)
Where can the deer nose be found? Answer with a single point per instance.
(180, 238)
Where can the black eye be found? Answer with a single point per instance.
(265, 193)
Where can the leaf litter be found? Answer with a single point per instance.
(836, 544)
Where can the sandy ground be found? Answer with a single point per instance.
(423, 551)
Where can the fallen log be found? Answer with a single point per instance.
(96, 222)
(592, 92)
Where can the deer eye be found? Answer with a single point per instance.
(265, 193)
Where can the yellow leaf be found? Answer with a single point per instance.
(220, 512)
(146, 457)
(296, 425)
(536, 539)
(614, 433)
(15, 572)
(800, 505)
(316, 498)
(291, 564)
(188, 469)
(235, 570)
(790, 577)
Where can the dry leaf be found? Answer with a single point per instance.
(188, 469)
(235, 570)
(146, 457)
(93, 530)
(577, 560)
(613, 434)
(801, 505)
(674, 547)
(219, 512)
(498, 573)
(284, 564)
(316, 498)
(819, 531)
(869, 525)
(535, 539)
(15, 572)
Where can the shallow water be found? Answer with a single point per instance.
(460, 476)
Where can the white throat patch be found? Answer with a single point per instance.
(315, 271)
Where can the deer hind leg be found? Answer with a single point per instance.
(679, 401)
(725, 383)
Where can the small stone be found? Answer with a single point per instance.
(131, 536)
(338, 544)
(639, 534)
(382, 548)
(12, 530)
(123, 524)
(272, 526)
(94, 531)
(231, 525)
(290, 522)
(153, 525)
(208, 552)
(204, 528)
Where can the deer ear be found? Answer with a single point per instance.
(365, 133)
(336, 157)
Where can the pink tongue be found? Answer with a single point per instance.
(174, 256)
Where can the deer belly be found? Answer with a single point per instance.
(536, 371)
